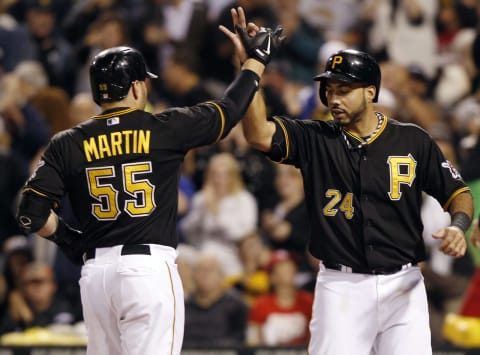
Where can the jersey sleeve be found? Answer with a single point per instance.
(47, 179)
(287, 141)
(441, 179)
(197, 125)
(296, 141)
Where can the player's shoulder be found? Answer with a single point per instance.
(179, 112)
(407, 127)
(319, 126)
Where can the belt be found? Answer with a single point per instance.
(377, 271)
(127, 249)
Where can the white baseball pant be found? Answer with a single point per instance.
(370, 314)
(133, 304)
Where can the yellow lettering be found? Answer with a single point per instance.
(126, 135)
(134, 144)
(103, 147)
(116, 143)
(144, 142)
(338, 59)
(89, 148)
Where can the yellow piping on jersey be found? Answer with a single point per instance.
(455, 194)
(36, 192)
(222, 119)
(382, 128)
(375, 136)
(287, 143)
(113, 114)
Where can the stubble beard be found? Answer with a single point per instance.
(354, 116)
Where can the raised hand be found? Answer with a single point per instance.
(251, 41)
(238, 18)
(263, 45)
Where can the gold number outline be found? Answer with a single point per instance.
(106, 194)
(345, 204)
(139, 189)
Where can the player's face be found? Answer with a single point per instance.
(347, 101)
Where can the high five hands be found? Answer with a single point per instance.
(251, 41)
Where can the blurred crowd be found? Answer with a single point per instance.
(243, 225)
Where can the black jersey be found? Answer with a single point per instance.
(364, 199)
(123, 166)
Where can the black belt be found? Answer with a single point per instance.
(127, 249)
(377, 271)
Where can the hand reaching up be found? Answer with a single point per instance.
(251, 41)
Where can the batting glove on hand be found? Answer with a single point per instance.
(263, 45)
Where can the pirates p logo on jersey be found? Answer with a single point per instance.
(455, 174)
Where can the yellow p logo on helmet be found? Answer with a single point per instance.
(338, 59)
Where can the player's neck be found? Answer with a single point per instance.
(128, 101)
(365, 125)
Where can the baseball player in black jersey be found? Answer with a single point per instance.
(121, 171)
(364, 174)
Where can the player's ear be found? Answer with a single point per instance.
(135, 89)
(370, 91)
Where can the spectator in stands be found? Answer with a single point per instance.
(257, 171)
(281, 317)
(213, 314)
(84, 13)
(54, 105)
(218, 51)
(286, 225)
(182, 83)
(82, 107)
(11, 180)
(222, 213)
(34, 304)
(412, 90)
(18, 254)
(186, 260)
(51, 49)
(302, 42)
(403, 31)
(278, 90)
(26, 126)
(109, 30)
(11, 34)
(162, 27)
(255, 255)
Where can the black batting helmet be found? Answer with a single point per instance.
(113, 71)
(351, 66)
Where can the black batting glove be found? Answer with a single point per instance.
(263, 45)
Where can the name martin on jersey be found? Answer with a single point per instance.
(117, 143)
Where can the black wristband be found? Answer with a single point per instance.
(461, 220)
